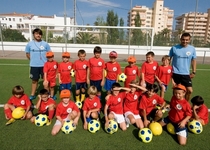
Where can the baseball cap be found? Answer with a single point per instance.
(131, 59)
(65, 94)
(113, 54)
(180, 86)
(49, 54)
(66, 54)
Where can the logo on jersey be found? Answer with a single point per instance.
(134, 71)
(84, 66)
(119, 99)
(114, 69)
(135, 97)
(41, 47)
(95, 104)
(69, 110)
(31, 76)
(22, 102)
(100, 63)
(154, 101)
(169, 70)
(154, 67)
(178, 106)
(188, 53)
(69, 67)
(55, 66)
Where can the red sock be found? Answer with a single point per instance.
(51, 114)
(8, 113)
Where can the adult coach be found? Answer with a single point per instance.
(183, 56)
(36, 53)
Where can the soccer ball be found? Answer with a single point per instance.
(195, 126)
(146, 135)
(79, 104)
(40, 120)
(170, 128)
(94, 126)
(72, 73)
(156, 128)
(112, 128)
(122, 77)
(68, 127)
(18, 113)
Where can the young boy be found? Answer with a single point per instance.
(19, 99)
(45, 105)
(64, 69)
(164, 74)
(148, 105)
(131, 71)
(95, 73)
(91, 107)
(80, 67)
(148, 70)
(179, 114)
(50, 70)
(200, 110)
(131, 103)
(114, 102)
(113, 70)
(65, 110)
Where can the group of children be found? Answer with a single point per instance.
(136, 103)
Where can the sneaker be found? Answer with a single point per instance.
(54, 97)
(10, 121)
(48, 122)
(127, 125)
(32, 97)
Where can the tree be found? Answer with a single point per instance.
(102, 36)
(121, 32)
(13, 35)
(86, 38)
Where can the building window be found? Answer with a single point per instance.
(9, 19)
(160, 9)
(13, 19)
(148, 17)
(10, 26)
(148, 21)
(20, 20)
(159, 18)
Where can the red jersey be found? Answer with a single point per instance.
(64, 70)
(131, 73)
(180, 109)
(113, 70)
(115, 103)
(63, 111)
(80, 67)
(164, 73)
(50, 68)
(149, 71)
(131, 102)
(96, 68)
(90, 104)
(45, 104)
(203, 113)
(150, 103)
(23, 101)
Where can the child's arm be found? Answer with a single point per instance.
(139, 87)
(103, 78)
(92, 110)
(106, 115)
(38, 102)
(77, 118)
(122, 88)
(146, 122)
(195, 115)
(184, 122)
(59, 78)
(88, 75)
(85, 121)
(159, 81)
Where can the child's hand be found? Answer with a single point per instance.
(60, 81)
(195, 107)
(107, 124)
(182, 124)
(146, 123)
(102, 83)
(75, 122)
(88, 114)
(88, 81)
(24, 116)
(45, 82)
(85, 125)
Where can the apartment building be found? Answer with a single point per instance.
(158, 16)
(22, 22)
(197, 24)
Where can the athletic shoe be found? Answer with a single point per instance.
(32, 97)
(54, 97)
(10, 121)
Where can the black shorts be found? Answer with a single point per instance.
(36, 72)
(182, 79)
(97, 84)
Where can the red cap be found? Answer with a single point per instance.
(113, 54)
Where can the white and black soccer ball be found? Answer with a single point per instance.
(94, 126)
(40, 120)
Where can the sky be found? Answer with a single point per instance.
(88, 10)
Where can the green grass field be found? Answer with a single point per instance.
(24, 135)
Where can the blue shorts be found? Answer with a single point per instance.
(80, 85)
(65, 86)
(108, 84)
(97, 84)
(36, 72)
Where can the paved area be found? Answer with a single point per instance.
(121, 57)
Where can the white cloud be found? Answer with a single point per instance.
(101, 3)
(93, 14)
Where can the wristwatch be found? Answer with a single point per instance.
(193, 72)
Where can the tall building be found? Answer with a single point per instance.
(159, 17)
(197, 24)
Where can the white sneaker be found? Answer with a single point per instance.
(127, 124)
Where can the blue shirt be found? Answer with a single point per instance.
(37, 51)
(182, 57)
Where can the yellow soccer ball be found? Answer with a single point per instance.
(145, 135)
(122, 77)
(72, 73)
(195, 126)
(170, 128)
(40, 120)
(94, 126)
(156, 128)
(68, 127)
(112, 128)
(18, 113)
(79, 104)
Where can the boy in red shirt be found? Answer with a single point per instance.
(148, 105)
(19, 99)
(164, 74)
(200, 110)
(148, 70)
(114, 102)
(80, 67)
(95, 73)
(65, 110)
(64, 69)
(91, 107)
(50, 70)
(45, 105)
(131, 71)
(131, 103)
(113, 70)
(179, 114)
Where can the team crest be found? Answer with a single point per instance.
(169, 70)
(188, 53)
(55, 66)
(46, 107)
(154, 101)
(100, 63)
(135, 97)
(119, 99)
(84, 66)
(154, 67)
(41, 47)
(134, 71)
(22, 102)
(69, 67)
(178, 106)
(115, 69)
(69, 110)
(95, 104)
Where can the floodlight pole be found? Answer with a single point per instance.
(2, 44)
(129, 35)
(65, 37)
(75, 22)
(196, 9)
